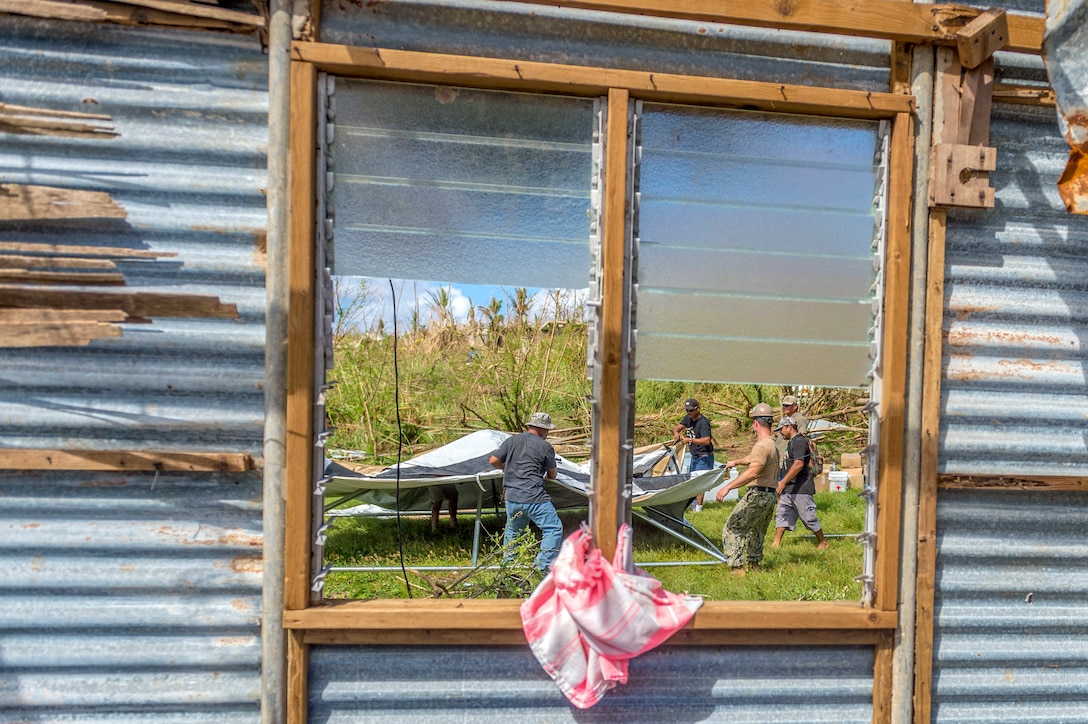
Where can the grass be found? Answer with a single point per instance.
(796, 571)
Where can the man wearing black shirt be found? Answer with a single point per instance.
(795, 487)
(696, 428)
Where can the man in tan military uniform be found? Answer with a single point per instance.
(743, 533)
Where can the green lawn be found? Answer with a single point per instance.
(796, 571)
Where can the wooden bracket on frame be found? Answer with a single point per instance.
(977, 41)
(959, 175)
(961, 158)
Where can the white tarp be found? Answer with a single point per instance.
(465, 463)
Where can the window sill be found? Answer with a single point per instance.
(449, 621)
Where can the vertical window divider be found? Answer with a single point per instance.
(609, 478)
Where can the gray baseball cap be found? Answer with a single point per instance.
(691, 404)
(542, 420)
(786, 421)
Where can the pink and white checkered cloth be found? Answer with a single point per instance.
(588, 617)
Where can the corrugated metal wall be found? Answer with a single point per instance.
(188, 170)
(670, 684)
(1011, 583)
(1014, 397)
(136, 597)
(561, 35)
(831, 684)
(1011, 607)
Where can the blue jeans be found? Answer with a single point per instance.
(518, 516)
(703, 462)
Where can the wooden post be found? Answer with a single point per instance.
(300, 326)
(298, 689)
(609, 480)
(894, 356)
(927, 500)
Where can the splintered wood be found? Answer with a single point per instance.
(170, 13)
(23, 203)
(45, 122)
(58, 294)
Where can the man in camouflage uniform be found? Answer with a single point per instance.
(743, 534)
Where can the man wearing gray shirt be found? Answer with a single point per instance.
(526, 459)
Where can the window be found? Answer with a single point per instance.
(612, 285)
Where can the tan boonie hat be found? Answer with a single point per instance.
(789, 400)
(542, 420)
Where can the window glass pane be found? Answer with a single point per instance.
(459, 185)
(755, 235)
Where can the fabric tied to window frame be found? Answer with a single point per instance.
(589, 617)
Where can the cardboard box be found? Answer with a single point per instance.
(821, 483)
(850, 460)
(856, 477)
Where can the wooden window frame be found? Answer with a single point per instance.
(413, 621)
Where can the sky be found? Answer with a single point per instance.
(377, 303)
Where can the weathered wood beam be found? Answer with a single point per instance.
(138, 305)
(198, 11)
(74, 333)
(37, 276)
(21, 202)
(503, 614)
(982, 37)
(53, 10)
(516, 637)
(21, 261)
(1011, 482)
(586, 81)
(54, 316)
(34, 459)
(114, 252)
(887, 19)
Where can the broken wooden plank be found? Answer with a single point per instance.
(54, 334)
(15, 110)
(1011, 482)
(138, 305)
(150, 461)
(135, 15)
(52, 10)
(51, 316)
(63, 129)
(33, 276)
(19, 202)
(20, 261)
(982, 37)
(115, 252)
(198, 11)
(1024, 95)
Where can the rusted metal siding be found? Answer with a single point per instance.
(758, 684)
(1013, 399)
(1065, 46)
(187, 169)
(1011, 607)
(130, 596)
